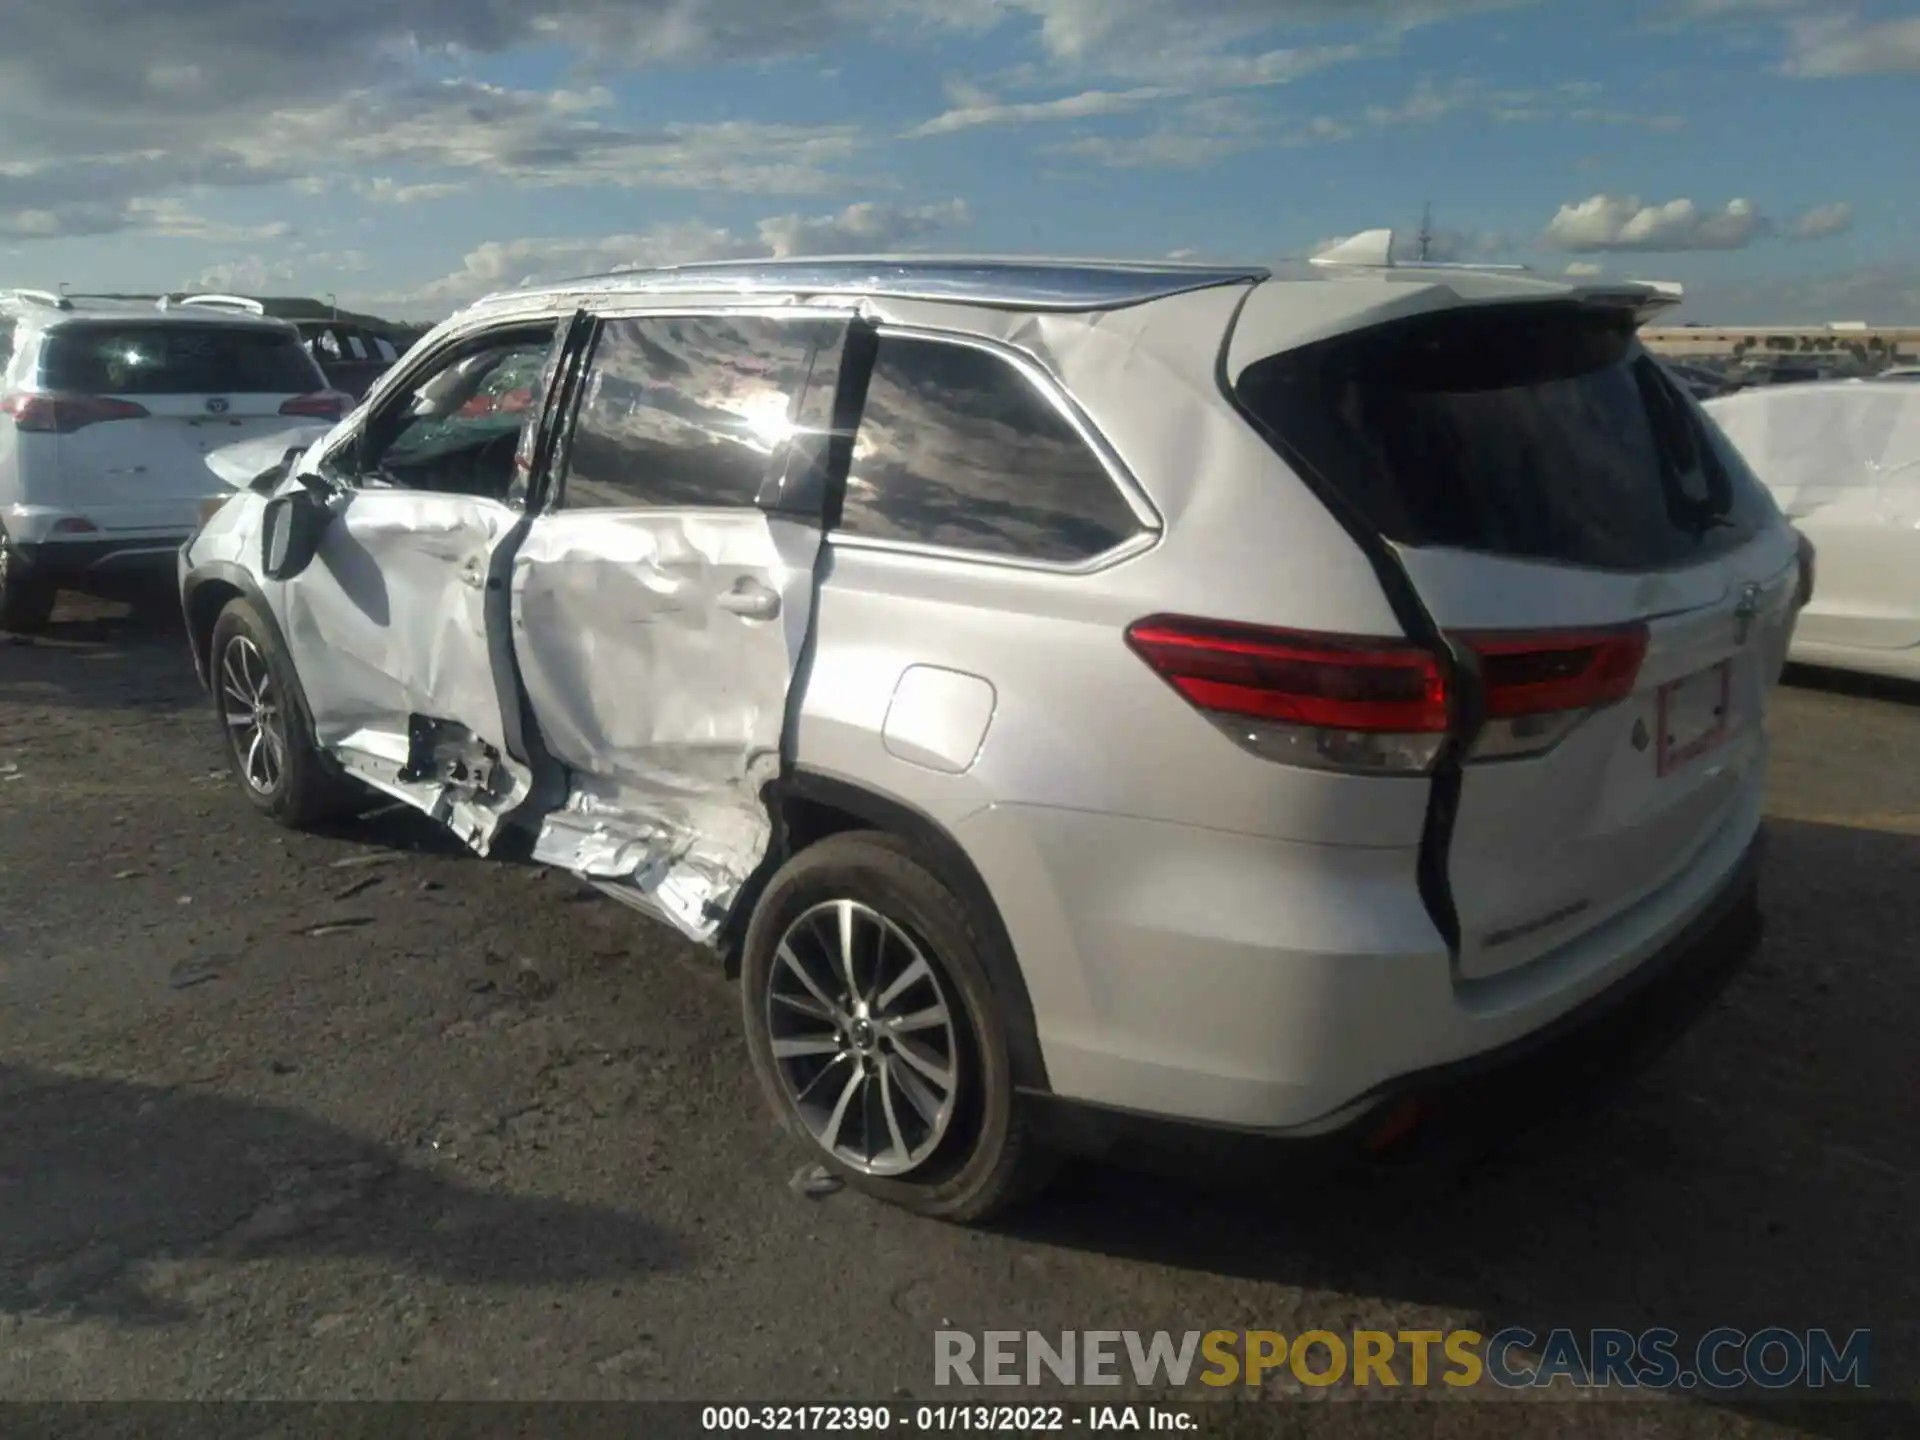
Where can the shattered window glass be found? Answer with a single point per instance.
(956, 448)
(686, 411)
(462, 427)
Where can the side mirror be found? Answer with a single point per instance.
(290, 532)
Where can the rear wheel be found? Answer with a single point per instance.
(875, 1035)
(264, 726)
(26, 601)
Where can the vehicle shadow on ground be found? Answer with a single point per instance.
(98, 654)
(1848, 682)
(1764, 1171)
(110, 1191)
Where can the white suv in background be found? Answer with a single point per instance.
(108, 409)
(1066, 691)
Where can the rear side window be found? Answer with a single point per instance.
(6, 344)
(957, 448)
(1536, 432)
(691, 411)
(195, 359)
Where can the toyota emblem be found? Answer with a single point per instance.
(217, 406)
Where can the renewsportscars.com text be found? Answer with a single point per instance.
(1512, 1358)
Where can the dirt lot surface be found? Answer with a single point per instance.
(355, 1116)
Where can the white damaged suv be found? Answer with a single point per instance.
(1135, 693)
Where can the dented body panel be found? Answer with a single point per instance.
(398, 623)
(627, 680)
(657, 650)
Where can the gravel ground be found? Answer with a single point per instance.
(357, 1116)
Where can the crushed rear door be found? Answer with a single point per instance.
(663, 598)
(1600, 556)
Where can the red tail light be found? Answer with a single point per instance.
(1331, 702)
(321, 405)
(1381, 706)
(1540, 685)
(63, 414)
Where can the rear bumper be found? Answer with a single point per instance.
(1280, 987)
(81, 562)
(1608, 1036)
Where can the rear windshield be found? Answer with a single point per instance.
(196, 359)
(1536, 432)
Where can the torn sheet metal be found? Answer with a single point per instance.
(1847, 452)
(251, 461)
(402, 617)
(657, 651)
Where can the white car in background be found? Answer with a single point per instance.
(1843, 461)
(108, 411)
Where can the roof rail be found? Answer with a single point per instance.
(1021, 282)
(38, 297)
(1373, 250)
(217, 302)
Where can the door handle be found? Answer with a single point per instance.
(751, 599)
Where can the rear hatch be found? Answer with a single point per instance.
(137, 405)
(1616, 588)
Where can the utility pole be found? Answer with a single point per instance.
(1426, 233)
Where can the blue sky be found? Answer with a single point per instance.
(408, 155)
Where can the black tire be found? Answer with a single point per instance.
(305, 787)
(26, 601)
(988, 1159)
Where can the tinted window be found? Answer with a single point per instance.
(1541, 433)
(686, 411)
(957, 448)
(194, 359)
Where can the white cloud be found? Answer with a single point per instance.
(69, 213)
(1824, 39)
(1823, 220)
(170, 217)
(1613, 222)
(249, 275)
(194, 94)
(1826, 47)
(548, 138)
(1068, 107)
(1582, 270)
(386, 190)
(1167, 36)
(498, 265)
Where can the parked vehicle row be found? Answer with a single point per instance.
(108, 410)
(1142, 694)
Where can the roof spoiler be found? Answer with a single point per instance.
(1646, 298)
(1373, 250)
(216, 302)
(38, 297)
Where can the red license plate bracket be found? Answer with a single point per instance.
(1694, 716)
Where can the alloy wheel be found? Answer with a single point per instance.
(863, 1038)
(256, 723)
